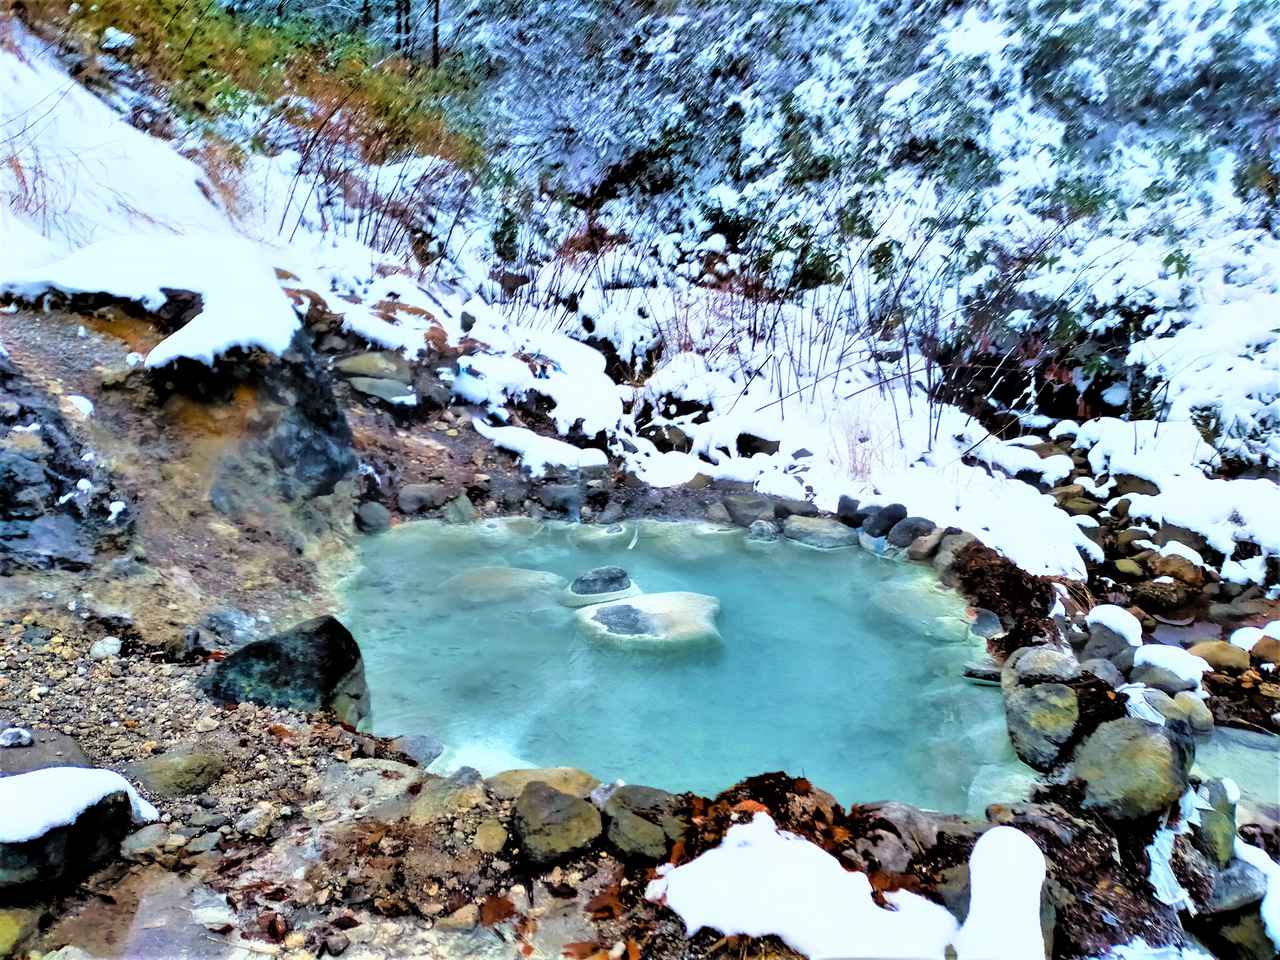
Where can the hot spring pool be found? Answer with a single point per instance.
(838, 666)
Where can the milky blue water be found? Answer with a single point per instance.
(839, 666)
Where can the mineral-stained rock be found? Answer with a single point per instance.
(185, 769)
(1132, 769)
(381, 364)
(550, 824)
(511, 783)
(653, 620)
(1041, 719)
(599, 586)
(1221, 655)
(1216, 834)
(312, 666)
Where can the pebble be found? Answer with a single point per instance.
(206, 725)
(104, 648)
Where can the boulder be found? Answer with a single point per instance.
(1132, 769)
(951, 545)
(907, 530)
(599, 586)
(924, 547)
(511, 783)
(389, 391)
(564, 497)
(485, 585)
(1267, 650)
(794, 508)
(879, 523)
(1215, 837)
(48, 748)
(847, 511)
(380, 364)
(459, 510)
(551, 825)
(78, 828)
(1106, 644)
(1194, 711)
(763, 531)
(746, 508)
(1160, 678)
(822, 532)
(373, 517)
(314, 665)
(642, 821)
(416, 497)
(1221, 655)
(1235, 886)
(1104, 670)
(1038, 664)
(1041, 720)
(653, 619)
(180, 771)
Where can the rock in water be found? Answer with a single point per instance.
(313, 666)
(551, 824)
(600, 586)
(1132, 769)
(1041, 720)
(822, 532)
(497, 585)
(373, 517)
(657, 619)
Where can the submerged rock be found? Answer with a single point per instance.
(551, 825)
(600, 586)
(822, 532)
(654, 618)
(1132, 769)
(315, 665)
(763, 531)
(483, 585)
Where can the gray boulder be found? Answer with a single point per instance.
(1236, 886)
(822, 532)
(373, 517)
(763, 531)
(600, 585)
(315, 665)
(1133, 769)
(746, 508)
(907, 530)
(1104, 670)
(48, 748)
(551, 825)
(883, 520)
(1161, 679)
(642, 821)
(416, 497)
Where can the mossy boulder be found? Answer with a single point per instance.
(1041, 720)
(1133, 769)
(643, 821)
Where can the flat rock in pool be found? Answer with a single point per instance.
(821, 532)
(600, 586)
(658, 619)
(498, 584)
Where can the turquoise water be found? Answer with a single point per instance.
(838, 666)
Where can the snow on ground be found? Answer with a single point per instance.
(1257, 857)
(762, 881)
(32, 804)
